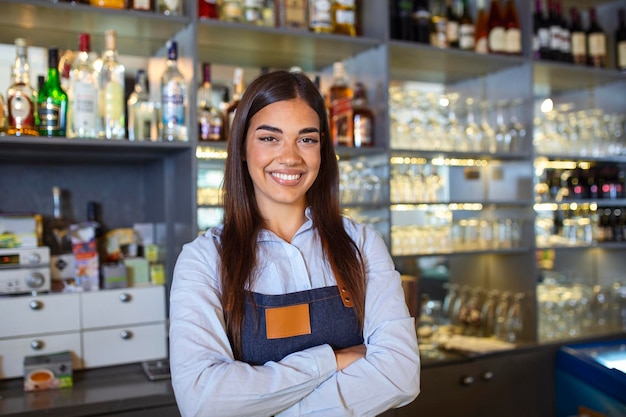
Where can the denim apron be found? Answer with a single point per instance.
(330, 323)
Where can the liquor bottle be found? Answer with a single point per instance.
(344, 17)
(620, 41)
(495, 28)
(170, 7)
(110, 4)
(268, 14)
(340, 107)
(452, 27)
(173, 98)
(578, 39)
(52, 100)
(93, 218)
(320, 18)
(142, 115)
(421, 22)
(82, 113)
(466, 29)
(293, 14)
(238, 89)
(513, 33)
(111, 91)
(481, 30)
(541, 33)
(566, 35)
(209, 118)
(363, 118)
(144, 5)
(21, 96)
(65, 66)
(554, 24)
(3, 118)
(439, 24)
(231, 10)
(253, 11)
(596, 41)
(207, 9)
(57, 237)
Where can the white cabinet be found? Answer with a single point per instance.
(100, 328)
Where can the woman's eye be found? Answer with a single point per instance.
(267, 138)
(310, 140)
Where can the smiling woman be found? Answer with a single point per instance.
(288, 308)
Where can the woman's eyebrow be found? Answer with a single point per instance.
(278, 130)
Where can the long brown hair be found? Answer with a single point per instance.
(243, 220)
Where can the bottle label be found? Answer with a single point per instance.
(566, 41)
(579, 48)
(173, 105)
(113, 97)
(50, 117)
(496, 39)
(231, 10)
(141, 5)
(466, 38)
(344, 17)
(346, 3)
(320, 14)
(439, 37)
(452, 31)
(597, 44)
(362, 130)
(555, 38)
(295, 14)
(621, 55)
(84, 106)
(543, 34)
(21, 111)
(341, 113)
(513, 41)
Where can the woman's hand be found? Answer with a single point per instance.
(348, 355)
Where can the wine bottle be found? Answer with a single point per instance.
(82, 111)
(420, 22)
(209, 119)
(620, 42)
(112, 119)
(452, 27)
(21, 96)
(495, 28)
(578, 38)
(142, 115)
(481, 30)
(566, 35)
(173, 98)
(438, 32)
(466, 29)
(554, 24)
(541, 36)
(596, 41)
(513, 32)
(52, 100)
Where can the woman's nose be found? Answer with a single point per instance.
(290, 155)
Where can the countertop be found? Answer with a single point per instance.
(122, 390)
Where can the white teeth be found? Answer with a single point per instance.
(286, 177)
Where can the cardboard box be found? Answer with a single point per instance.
(45, 372)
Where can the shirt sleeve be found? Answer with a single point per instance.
(389, 375)
(207, 381)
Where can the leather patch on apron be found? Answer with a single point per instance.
(281, 322)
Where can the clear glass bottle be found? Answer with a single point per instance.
(83, 93)
(21, 96)
(170, 7)
(210, 124)
(173, 98)
(238, 89)
(142, 113)
(320, 19)
(111, 91)
(253, 11)
(344, 17)
(231, 10)
(52, 100)
(340, 107)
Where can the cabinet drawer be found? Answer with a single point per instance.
(124, 345)
(51, 313)
(110, 308)
(13, 351)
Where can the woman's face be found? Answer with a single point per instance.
(283, 154)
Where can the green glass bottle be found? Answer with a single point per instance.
(52, 101)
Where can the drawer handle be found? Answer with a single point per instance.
(37, 344)
(126, 334)
(35, 305)
(488, 376)
(125, 297)
(467, 380)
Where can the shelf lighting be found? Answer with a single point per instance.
(437, 206)
(208, 153)
(439, 161)
(565, 206)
